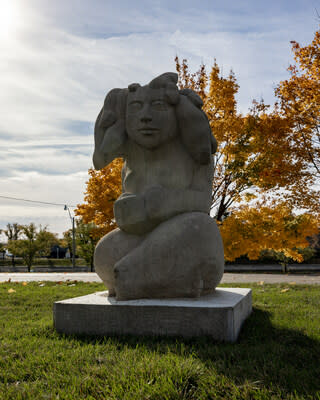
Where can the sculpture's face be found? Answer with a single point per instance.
(150, 120)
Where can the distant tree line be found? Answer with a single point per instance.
(30, 242)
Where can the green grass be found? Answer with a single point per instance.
(277, 355)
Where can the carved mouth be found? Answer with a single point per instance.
(148, 131)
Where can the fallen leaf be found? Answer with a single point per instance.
(24, 283)
(11, 291)
(261, 283)
(284, 290)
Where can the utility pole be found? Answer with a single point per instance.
(73, 244)
(73, 238)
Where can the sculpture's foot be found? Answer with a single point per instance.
(132, 282)
(111, 292)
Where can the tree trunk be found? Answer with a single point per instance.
(221, 211)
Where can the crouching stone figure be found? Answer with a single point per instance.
(166, 245)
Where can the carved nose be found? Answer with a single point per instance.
(146, 115)
(146, 118)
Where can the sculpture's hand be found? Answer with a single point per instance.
(130, 214)
(154, 200)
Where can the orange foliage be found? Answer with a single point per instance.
(300, 105)
(254, 153)
(249, 230)
(274, 153)
(103, 188)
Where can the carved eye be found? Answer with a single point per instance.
(135, 106)
(159, 105)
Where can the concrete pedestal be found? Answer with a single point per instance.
(219, 315)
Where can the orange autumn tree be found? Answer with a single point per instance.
(299, 98)
(274, 227)
(255, 156)
(103, 188)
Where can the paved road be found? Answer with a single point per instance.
(227, 277)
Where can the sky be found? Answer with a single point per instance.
(60, 58)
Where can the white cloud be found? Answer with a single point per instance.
(60, 189)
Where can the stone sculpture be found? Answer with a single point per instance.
(167, 245)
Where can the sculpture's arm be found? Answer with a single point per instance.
(139, 214)
(194, 127)
(109, 132)
(109, 141)
(162, 204)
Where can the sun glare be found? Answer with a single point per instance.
(8, 18)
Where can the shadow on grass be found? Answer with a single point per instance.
(264, 355)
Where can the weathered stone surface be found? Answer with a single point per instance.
(166, 244)
(219, 315)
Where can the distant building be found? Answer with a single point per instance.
(58, 252)
(315, 243)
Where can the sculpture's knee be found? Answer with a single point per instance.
(104, 261)
(182, 257)
(194, 241)
(205, 236)
(109, 250)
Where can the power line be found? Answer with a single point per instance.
(36, 201)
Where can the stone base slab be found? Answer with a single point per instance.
(219, 315)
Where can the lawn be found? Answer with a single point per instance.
(277, 355)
